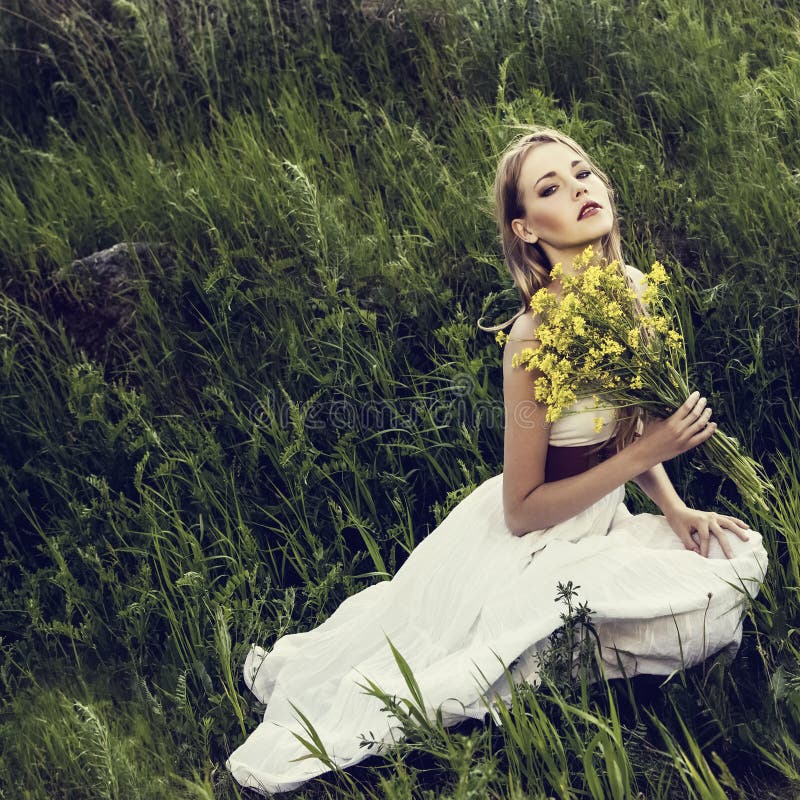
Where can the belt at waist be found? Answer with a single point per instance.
(564, 462)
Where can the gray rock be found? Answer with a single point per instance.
(96, 296)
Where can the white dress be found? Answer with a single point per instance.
(473, 595)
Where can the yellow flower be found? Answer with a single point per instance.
(569, 306)
(660, 324)
(541, 388)
(637, 382)
(657, 274)
(501, 338)
(585, 257)
(674, 340)
(598, 424)
(649, 295)
(542, 301)
(633, 338)
(547, 363)
(564, 367)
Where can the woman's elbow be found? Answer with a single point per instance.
(513, 523)
(517, 518)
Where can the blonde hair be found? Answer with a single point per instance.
(528, 263)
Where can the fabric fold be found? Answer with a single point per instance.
(471, 598)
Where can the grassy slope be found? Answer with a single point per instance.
(302, 393)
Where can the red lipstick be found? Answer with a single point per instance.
(587, 207)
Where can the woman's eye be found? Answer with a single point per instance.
(584, 173)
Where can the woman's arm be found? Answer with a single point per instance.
(532, 504)
(549, 503)
(694, 528)
(658, 487)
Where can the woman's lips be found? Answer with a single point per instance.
(589, 212)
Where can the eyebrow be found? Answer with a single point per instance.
(551, 174)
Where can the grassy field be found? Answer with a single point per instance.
(289, 391)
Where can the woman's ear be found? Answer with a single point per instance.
(519, 227)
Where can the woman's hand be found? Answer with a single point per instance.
(695, 529)
(689, 426)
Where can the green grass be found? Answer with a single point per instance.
(313, 180)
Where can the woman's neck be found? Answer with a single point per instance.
(567, 258)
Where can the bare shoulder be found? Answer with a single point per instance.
(637, 279)
(519, 379)
(521, 336)
(524, 326)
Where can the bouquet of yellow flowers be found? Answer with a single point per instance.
(596, 339)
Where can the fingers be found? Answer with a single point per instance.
(697, 408)
(738, 526)
(704, 540)
(688, 404)
(688, 542)
(698, 414)
(700, 418)
(694, 417)
(704, 430)
(717, 528)
(719, 532)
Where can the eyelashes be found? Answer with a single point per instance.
(550, 189)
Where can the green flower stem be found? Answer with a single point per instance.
(721, 451)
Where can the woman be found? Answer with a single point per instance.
(551, 202)
(478, 592)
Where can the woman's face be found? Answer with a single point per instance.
(556, 185)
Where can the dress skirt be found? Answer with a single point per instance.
(473, 598)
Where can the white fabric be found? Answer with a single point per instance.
(575, 427)
(472, 593)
